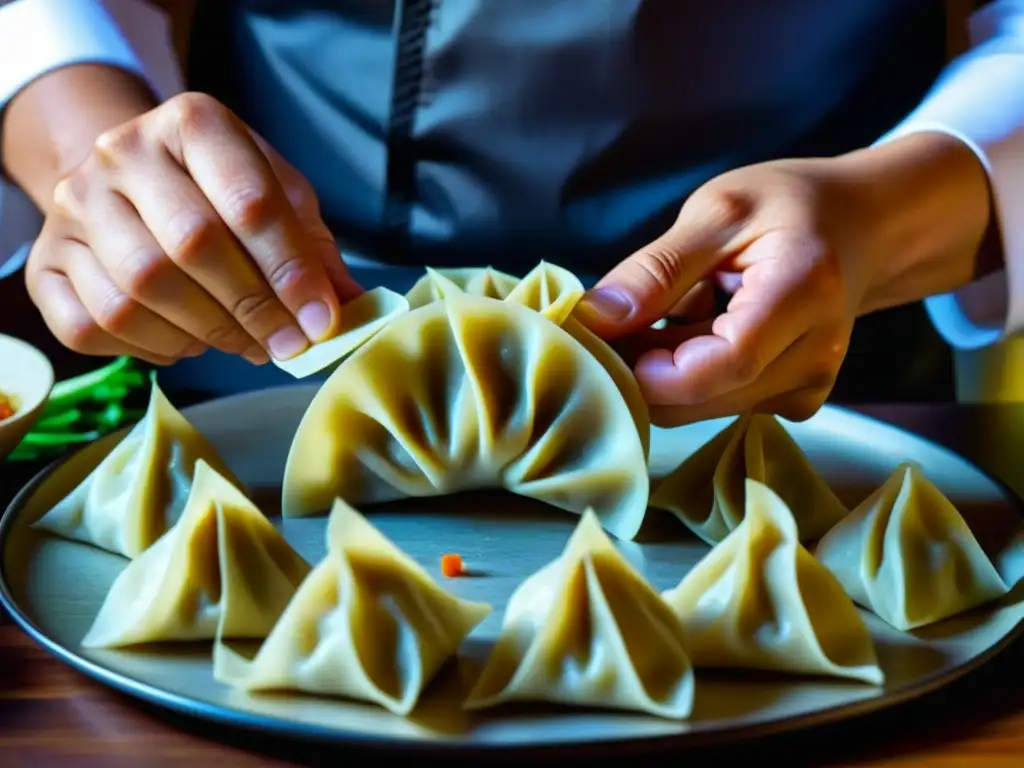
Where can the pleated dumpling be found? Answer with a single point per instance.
(368, 624)
(360, 319)
(759, 600)
(588, 630)
(907, 555)
(439, 283)
(706, 491)
(470, 393)
(223, 570)
(140, 488)
(549, 289)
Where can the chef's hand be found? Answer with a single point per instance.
(184, 231)
(804, 247)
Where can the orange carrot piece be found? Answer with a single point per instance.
(451, 565)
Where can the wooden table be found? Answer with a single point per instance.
(50, 714)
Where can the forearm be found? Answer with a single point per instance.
(927, 201)
(50, 126)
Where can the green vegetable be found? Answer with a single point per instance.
(84, 408)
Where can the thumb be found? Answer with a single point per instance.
(646, 286)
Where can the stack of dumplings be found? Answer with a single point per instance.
(478, 379)
(706, 492)
(367, 624)
(495, 395)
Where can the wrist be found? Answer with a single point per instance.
(927, 202)
(50, 127)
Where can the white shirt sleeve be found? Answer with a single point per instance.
(980, 100)
(39, 36)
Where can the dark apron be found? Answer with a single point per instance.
(443, 132)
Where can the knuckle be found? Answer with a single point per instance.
(117, 312)
(141, 271)
(113, 146)
(226, 338)
(661, 267)
(80, 335)
(195, 112)
(190, 235)
(69, 194)
(253, 309)
(285, 276)
(249, 207)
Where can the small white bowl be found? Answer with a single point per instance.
(26, 375)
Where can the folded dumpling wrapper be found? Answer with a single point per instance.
(439, 283)
(549, 289)
(588, 630)
(360, 319)
(140, 488)
(706, 491)
(471, 393)
(907, 555)
(223, 570)
(368, 624)
(759, 600)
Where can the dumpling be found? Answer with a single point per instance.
(223, 570)
(368, 624)
(360, 319)
(620, 373)
(471, 393)
(907, 555)
(550, 290)
(706, 490)
(438, 284)
(139, 490)
(588, 630)
(759, 600)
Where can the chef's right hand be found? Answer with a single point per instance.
(183, 231)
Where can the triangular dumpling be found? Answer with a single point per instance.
(706, 490)
(139, 490)
(907, 555)
(360, 319)
(759, 600)
(588, 630)
(439, 284)
(223, 570)
(549, 289)
(368, 623)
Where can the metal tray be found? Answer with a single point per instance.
(53, 588)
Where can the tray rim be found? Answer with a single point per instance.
(290, 730)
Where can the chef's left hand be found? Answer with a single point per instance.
(804, 247)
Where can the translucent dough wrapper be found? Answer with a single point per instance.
(438, 284)
(907, 555)
(368, 624)
(759, 600)
(588, 630)
(223, 570)
(471, 393)
(360, 319)
(706, 491)
(140, 488)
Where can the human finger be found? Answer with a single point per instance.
(237, 179)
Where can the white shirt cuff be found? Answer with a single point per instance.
(980, 100)
(39, 36)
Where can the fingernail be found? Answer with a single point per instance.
(287, 343)
(315, 319)
(608, 304)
